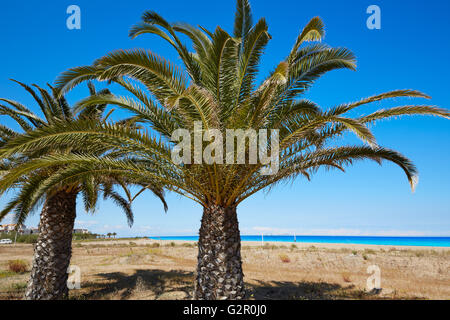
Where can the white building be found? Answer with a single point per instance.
(6, 228)
(83, 231)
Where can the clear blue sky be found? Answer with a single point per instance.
(410, 51)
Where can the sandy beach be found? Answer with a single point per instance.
(162, 269)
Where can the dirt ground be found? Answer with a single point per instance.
(147, 269)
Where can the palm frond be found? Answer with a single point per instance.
(243, 20)
(313, 31)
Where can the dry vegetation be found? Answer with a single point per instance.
(144, 269)
(17, 266)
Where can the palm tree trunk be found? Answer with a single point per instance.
(53, 249)
(219, 270)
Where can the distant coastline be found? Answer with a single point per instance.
(367, 240)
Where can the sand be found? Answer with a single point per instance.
(162, 269)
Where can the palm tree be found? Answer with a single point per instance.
(216, 88)
(53, 249)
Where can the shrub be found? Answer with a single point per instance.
(21, 238)
(420, 254)
(84, 236)
(154, 251)
(17, 266)
(27, 238)
(293, 246)
(19, 286)
(6, 274)
(284, 258)
(172, 244)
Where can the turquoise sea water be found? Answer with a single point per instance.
(394, 241)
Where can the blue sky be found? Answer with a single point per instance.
(410, 51)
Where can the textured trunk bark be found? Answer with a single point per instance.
(219, 270)
(53, 249)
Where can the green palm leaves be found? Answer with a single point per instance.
(33, 169)
(216, 86)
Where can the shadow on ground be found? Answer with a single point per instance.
(157, 283)
(282, 290)
(177, 284)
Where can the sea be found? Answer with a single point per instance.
(393, 241)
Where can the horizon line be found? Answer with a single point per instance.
(300, 235)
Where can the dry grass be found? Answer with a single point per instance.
(154, 270)
(17, 266)
(284, 258)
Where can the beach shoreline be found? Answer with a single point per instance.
(300, 245)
